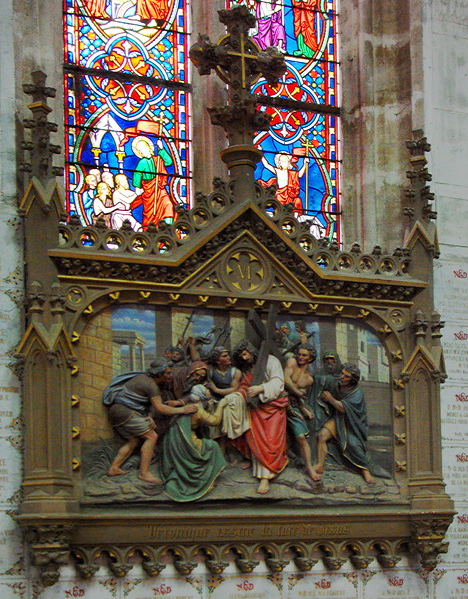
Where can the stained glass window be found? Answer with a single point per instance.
(127, 110)
(301, 149)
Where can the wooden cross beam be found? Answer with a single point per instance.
(267, 344)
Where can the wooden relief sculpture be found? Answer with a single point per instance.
(239, 359)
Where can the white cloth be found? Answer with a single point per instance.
(119, 216)
(259, 470)
(236, 415)
(273, 380)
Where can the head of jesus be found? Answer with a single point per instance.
(143, 147)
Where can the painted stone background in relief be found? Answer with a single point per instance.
(129, 338)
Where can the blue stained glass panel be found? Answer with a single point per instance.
(128, 140)
(301, 148)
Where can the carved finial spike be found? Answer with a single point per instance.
(40, 149)
(36, 299)
(38, 89)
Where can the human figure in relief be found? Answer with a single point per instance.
(224, 379)
(287, 179)
(258, 429)
(129, 399)
(298, 379)
(150, 180)
(341, 422)
(190, 464)
(331, 364)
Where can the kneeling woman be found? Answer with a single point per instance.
(190, 465)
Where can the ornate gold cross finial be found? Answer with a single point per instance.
(239, 62)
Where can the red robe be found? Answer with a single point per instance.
(97, 9)
(157, 204)
(266, 438)
(152, 9)
(304, 15)
(289, 194)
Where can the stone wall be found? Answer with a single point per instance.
(446, 117)
(95, 360)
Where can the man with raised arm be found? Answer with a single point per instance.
(341, 418)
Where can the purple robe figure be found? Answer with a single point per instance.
(270, 25)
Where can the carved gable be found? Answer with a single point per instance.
(246, 267)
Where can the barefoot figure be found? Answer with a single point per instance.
(258, 429)
(341, 418)
(297, 382)
(129, 399)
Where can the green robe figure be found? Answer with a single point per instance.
(189, 465)
(150, 180)
(341, 422)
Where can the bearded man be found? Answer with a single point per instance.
(129, 399)
(331, 364)
(341, 418)
(258, 428)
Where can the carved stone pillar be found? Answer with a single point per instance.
(424, 369)
(45, 352)
(133, 364)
